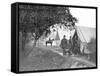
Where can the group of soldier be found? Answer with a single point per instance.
(66, 45)
(70, 46)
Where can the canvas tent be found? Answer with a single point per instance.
(84, 34)
(57, 39)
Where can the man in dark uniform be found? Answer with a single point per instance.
(70, 46)
(64, 44)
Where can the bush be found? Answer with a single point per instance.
(91, 46)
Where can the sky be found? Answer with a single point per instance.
(86, 17)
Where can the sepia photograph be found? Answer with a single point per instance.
(56, 37)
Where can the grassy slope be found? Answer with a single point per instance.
(40, 59)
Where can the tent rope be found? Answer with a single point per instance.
(81, 33)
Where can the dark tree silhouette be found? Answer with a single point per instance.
(37, 19)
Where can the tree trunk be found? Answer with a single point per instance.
(35, 41)
(23, 41)
(34, 45)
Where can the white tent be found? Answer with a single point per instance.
(57, 39)
(86, 33)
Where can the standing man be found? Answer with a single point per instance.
(64, 45)
(70, 46)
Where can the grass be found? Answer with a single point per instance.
(41, 59)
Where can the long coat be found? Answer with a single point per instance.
(64, 44)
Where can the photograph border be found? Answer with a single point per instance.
(15, 63)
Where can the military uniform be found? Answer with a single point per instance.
(64, 45)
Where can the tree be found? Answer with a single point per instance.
(37, 19)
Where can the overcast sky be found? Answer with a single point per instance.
(86, 17)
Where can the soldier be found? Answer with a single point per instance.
(70, 46)
(64, 45)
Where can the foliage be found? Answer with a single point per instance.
(38, 18)
(92, 45)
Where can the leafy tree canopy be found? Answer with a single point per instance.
(37, 18)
